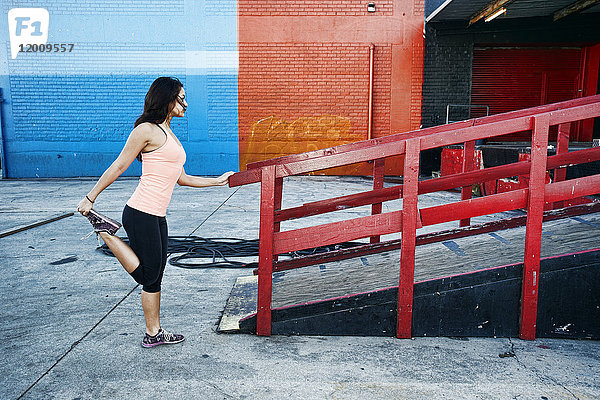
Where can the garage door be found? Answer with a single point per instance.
(507, 79)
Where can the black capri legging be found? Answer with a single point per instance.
(148, 238)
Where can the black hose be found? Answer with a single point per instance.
(222, 251)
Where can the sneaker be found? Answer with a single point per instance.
(102, 223)
(162, 337)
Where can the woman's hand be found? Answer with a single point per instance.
(224, 179)
(198, 181)
(84, 206)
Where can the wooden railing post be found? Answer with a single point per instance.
(277, 204)
(562, 146)
(378, 172)
(533, 232)
(265, 257)
(409, 230)
(468, 165)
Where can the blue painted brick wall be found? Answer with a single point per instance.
(220, 7)
(69, 114)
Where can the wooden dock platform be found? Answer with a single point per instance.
(374, 274)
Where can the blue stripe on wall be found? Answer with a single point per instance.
(77, 125)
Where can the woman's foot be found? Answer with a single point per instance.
(102, 223)
(162, 337)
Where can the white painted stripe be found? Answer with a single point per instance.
(217, 59)
(437, 10)
(126, 61)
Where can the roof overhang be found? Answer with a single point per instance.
(476, 11)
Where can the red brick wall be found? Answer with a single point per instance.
(419, 7)
(295, 81)
(313, 7)
(303, 75)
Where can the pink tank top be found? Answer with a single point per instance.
(161, 169)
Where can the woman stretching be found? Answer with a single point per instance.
(162, 156)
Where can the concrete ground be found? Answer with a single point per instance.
(72, 323)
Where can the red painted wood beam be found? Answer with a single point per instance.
(507, 201)
(245, 177)
(433, 185)
(562, 147)
(434, 237)
(507, 223)
(589, 85)
(573, 188)
(340, 203)
(337, 232)
(265, 252)
(533, 230)
(507, 127)
(410, 217)
(450, 212)
(474, 207)
(503, 171)
(574, 157)
(574, 114)
(468, 165)
(341, 159)
(359, 145)
(537, 110)
(378, 174)
(277, 205)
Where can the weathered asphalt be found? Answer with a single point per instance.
(72, 323)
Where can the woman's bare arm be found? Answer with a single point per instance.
(138, 139)
(197, 181)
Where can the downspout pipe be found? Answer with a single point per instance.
(2, 157)
(370, 123)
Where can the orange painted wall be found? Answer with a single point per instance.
(303, 75)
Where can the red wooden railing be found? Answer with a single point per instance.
(538, 120)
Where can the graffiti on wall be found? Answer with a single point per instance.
(273, 137)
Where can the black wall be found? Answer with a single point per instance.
(449, 56)
(449, 52)
(447, 74)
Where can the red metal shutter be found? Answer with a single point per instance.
(507, 79)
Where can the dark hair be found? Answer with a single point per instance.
(159, 101)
